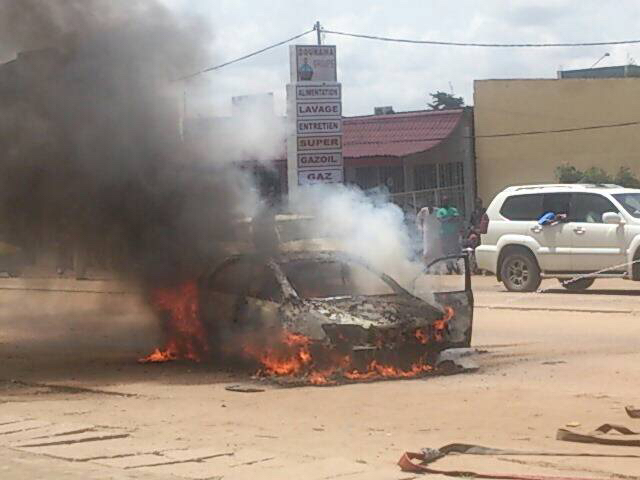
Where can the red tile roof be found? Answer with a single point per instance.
(397, 134)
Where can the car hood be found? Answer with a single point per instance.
(309, 316)
(375, 311)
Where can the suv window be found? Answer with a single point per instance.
(556, 203)
(589, 207)
(523, 207)
(630, 202)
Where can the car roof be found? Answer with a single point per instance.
(569, 187)
(281, 257)
(279, 217)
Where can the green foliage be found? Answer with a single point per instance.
(566, 173)
(626, 178)
(596, 175)
(444, 100)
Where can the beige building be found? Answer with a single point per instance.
(515, 106)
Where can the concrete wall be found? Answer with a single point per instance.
(508, 106)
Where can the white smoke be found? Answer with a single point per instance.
(371, 228)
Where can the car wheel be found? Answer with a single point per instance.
(520, 272)
(577, 285)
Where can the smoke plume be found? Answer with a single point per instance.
(368, 227)
(91, 154)
(93, 157)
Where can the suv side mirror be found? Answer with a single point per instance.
(612, 218)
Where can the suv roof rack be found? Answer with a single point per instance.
(565, 185)
(600, 185)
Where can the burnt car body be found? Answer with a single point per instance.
(334, 299)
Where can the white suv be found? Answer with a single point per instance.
(599, 231)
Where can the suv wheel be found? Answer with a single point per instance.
(520, 272)
(578, 285)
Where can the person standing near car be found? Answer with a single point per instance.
(449, 218)
(477, 218)
(427, 224)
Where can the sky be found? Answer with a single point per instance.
(378, 73)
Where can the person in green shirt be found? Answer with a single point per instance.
(449, 218)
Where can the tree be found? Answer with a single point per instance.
(566, 173)
(596, 175)
(444, 100)
(625, 178)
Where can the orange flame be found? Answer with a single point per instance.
(288, 355)
(440, 326)
(186, 335)
(376, 370)
(421, 336)
(291, 355)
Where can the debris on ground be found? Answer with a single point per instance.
(457, 360)
(420, 462)
(632, 411)
(607, 434)
(243, 389)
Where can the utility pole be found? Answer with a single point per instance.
(316, 27)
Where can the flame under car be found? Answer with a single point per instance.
(323, 314)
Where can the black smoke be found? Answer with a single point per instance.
(92, 156)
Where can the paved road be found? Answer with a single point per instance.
(606, 295)
(67, 363)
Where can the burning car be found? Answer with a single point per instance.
(325, 316)
(296, 308)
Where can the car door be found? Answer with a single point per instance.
(554, 251)
(221, 292)
(595, 245)
(551, 244)
(451, 290)
(258, 310)
(555, 240)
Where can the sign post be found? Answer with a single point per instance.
(314, 110)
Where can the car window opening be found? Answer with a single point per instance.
(312, 279)
(630, 202)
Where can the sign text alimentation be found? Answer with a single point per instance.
(318, 92)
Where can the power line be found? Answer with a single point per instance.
(244, 57)
(560, 130)
(502, 135)
(471, 44)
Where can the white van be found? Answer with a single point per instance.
(596, 231)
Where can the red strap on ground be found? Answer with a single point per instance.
(407, 464)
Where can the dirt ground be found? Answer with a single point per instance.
(75, 404)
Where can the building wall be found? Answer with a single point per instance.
(509, 106)
(457, 149)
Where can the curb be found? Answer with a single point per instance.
(559, 309)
